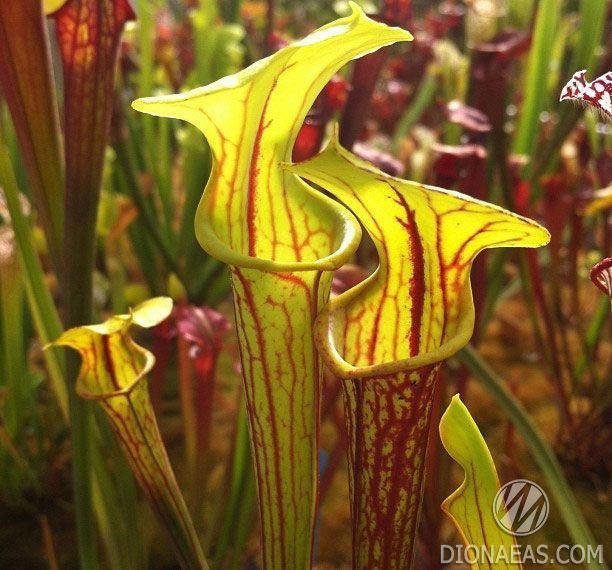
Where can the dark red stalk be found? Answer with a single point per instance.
(270, 18)
(552, 342)
(489, 81)
(186, 393)
(366, 73)
(577, 229)
(163, 334)
(559, 205)
(331, 392)
(88, 33)
(363, 80)
(26, 81)
(397, 12)
(202, 330)
(337, 454)
(490, 74)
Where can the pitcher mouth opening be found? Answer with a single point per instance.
(334, 359)
(346, 228)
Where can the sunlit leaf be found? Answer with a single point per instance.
(278, 235)
(470, 506)
(602, 201)
(113, 373)
(387, 336)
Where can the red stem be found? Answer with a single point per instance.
(365, 75)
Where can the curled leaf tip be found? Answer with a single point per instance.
(112, 362)
(249, 140)
(152, 312)
(358, 15)
(148, 104)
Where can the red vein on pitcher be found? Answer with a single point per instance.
(282, 239)
(113, 373)
(387, 336)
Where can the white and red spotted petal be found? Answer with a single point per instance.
(575, 86)
(597, 93)
(601, 275)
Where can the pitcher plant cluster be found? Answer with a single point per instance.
(281, 221)
(384, 339)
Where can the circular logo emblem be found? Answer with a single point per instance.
(520, 507)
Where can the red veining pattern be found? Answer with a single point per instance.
(253, 176)
(278, 359)
(258, 210)
(416, 290)
(389, 421)
(281, 369)
(426, 242)
(248, 299)
(110, 363)
(88, 34)
(254, 183)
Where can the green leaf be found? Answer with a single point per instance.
(470, 507)
(44, 314)
(542, 453)
(51, 6)
(546, 26)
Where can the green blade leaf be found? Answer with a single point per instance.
(470, 506)
(546, 26)
(44, 314)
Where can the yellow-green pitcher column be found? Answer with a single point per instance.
(281, 240)
(386, 337)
